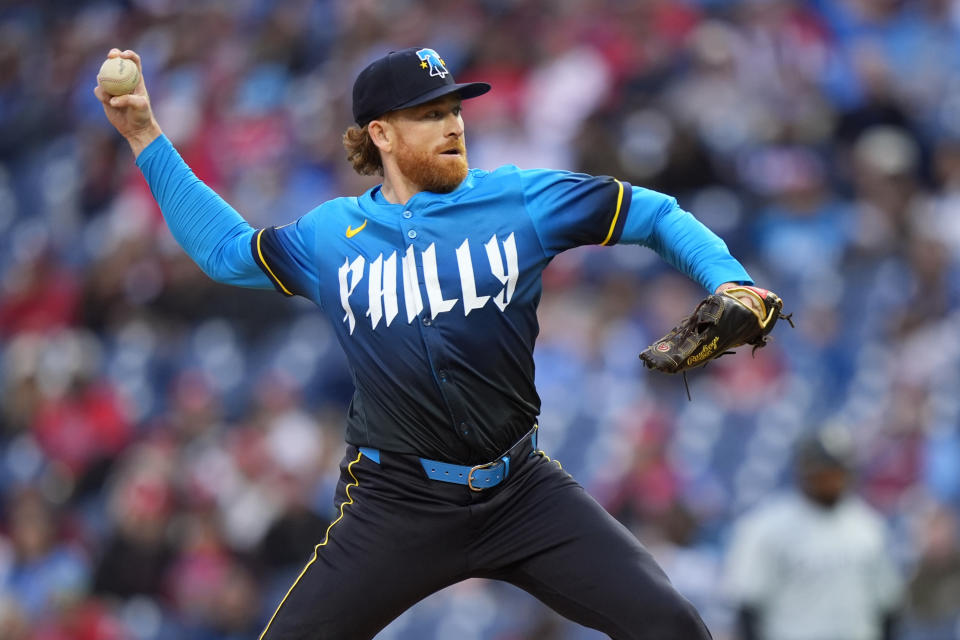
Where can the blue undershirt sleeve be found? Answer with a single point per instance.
(656, 221)
(212, 233)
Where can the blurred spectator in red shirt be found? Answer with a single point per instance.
(39, 295)
(83, 424)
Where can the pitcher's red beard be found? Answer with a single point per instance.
(433, 171)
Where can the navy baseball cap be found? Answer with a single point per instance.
(404, 79)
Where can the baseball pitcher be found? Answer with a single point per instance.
(431, 281)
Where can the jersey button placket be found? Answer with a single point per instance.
(407, 228)
(431, 340)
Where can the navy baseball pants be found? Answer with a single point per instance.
(400, 536)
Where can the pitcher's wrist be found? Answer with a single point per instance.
(142, 139)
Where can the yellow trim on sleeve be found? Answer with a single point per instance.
(267, 266)
(326, 538)
(616, 214)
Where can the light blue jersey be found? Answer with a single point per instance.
(434, 301)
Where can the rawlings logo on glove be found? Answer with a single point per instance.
(706, 352)
(721, 322)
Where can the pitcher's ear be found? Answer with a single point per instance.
(382, 134)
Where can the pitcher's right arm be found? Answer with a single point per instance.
(212, 233)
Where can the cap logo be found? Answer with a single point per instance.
(430, 59)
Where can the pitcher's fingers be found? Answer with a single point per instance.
(113, 53)
(131, 100)
(102, 95)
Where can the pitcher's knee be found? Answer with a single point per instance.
(685, 621)
(670, 617)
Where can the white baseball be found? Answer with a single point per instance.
(118, 76)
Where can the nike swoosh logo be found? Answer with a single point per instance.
(352, 232)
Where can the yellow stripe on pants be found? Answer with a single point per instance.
(326, 538)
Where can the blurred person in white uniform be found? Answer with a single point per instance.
(813, 563)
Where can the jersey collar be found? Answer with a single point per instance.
(374, 199)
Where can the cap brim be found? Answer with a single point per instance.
(466, 90)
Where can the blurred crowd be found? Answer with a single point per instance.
(168, 445)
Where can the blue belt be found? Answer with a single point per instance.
(478, 477)
(481, 476)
